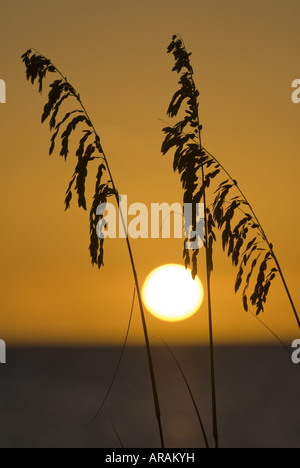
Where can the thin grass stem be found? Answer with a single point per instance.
(134, 270)
(189, 390)
(118, 364)
(118, 437)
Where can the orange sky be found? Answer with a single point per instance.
(114, 53)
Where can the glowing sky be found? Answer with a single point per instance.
(245, 57)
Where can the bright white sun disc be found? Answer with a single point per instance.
(171, 294)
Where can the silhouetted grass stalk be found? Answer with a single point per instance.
(37, 67)
(209, 302)
(243, 237)
(190, 392)
(118, 363)
(117, 435)
(264, 236)
(187, 163)
(211, 333)
(262, 232)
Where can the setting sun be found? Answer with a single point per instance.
(171, 294)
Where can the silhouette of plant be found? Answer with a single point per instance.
(243, 237)
(193, 164)
(78, 123)
(228, 210)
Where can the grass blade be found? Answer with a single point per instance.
(118, 364)
(118, 437)
(189, 390)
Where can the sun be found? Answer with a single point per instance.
(171, 294)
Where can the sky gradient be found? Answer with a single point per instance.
(114, 54)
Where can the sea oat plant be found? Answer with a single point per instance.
(77, 123)
(226, 208)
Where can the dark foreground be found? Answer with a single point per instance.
(47, 396)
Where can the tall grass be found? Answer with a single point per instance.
(78, 123)
(204, 179)
(202, 175)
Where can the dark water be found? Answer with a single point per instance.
(48, 395)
